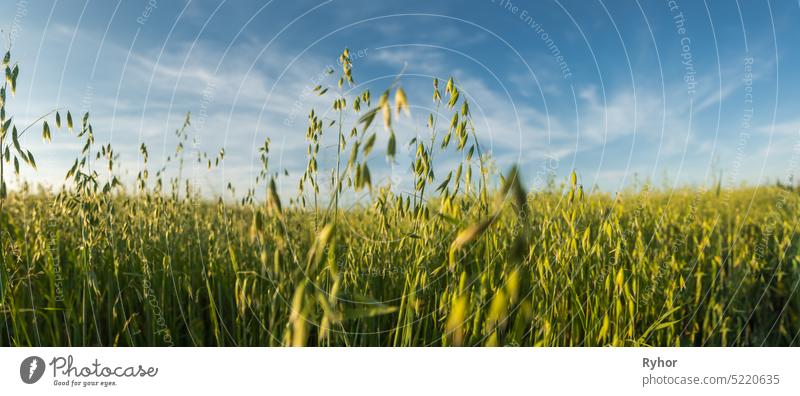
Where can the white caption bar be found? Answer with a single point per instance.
(386, 371)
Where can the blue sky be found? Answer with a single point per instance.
(672, 91)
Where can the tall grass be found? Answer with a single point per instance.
(468, 259)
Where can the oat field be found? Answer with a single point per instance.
(470, 257)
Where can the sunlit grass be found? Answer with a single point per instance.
(468, 259)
